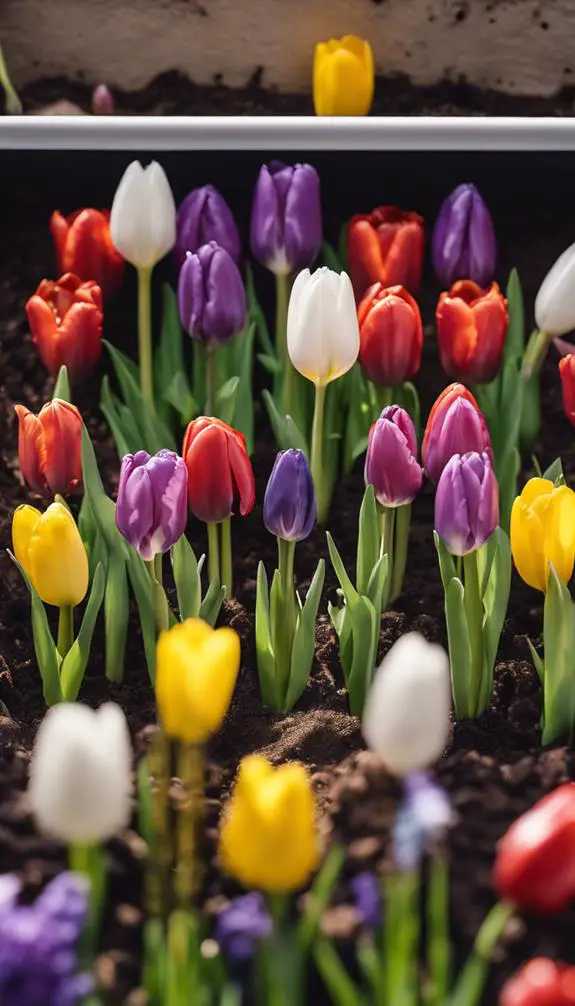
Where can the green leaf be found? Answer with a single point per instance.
(225, 405)
(377, 582)
(102, 507)
(349, 592)
(329, 257)
(365, 622)
(264, 647)
(116, 615)
(212, 602)
(537, 662)
(515, 338)
(258, 317)
(177, 393)
(44, 645)
(459, 648)
(123, 439)
(62, 386)
(555, 473)
(155, 434)
(358, 418)
(559, 644)
(270, 363)
(286, 432)
(169, 360)
(142, 587)
(496, 598)
(243, 419)
(319, 897)
(187, 578)
(369, 540)
(76, 660)
(446, 563)
(411, 404)
(303, 646)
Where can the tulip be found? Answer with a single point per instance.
(268, 838)
(241, 926)
(424, 815)
(289, 501)
(65, 319)
(567, 374)
(463, 245)
(391, 461)
(535, 861)
(543, 532)
(406, 714)
(385, 246)
(81, 773)
(286, 226)
(202, 217)
(540, 982)
(51, 552)
(84, 247)
(471, 330)
(50, 447)
(343, 76)
(196, 672)
(151, 509)
(466, 502)
(103, 101)
(555, 301)
(391, 335)
(455, 426)
(367, 898)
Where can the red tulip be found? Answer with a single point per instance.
(540, 982)
(84, 247)
(391, 335)
(471, 330)
(50, 447)
(221, 477)
(65, 319)
(567, 374)
(535, 862)
(385, 247)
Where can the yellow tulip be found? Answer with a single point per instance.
(543, 531)
(49, 548)
(343, 76)
(268, 838)
(196, 671)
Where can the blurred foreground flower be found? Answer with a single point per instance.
(84, 247)
(463, 245)
(471, 330)
(343, 76)
(204, 216)
(368, 902)
(152, 504)
(540, 982)
(242, 925)
(50, 447)
(391, 335)
(51, 552)
(423, 817)
(385, 246)
(543, 532)
(65, 319)
(455, 426)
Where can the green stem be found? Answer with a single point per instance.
(535, 353)
(438, 937)
(285, 624)
(385, 397)
(191, 774)
(159, 599)
(211, 379)
(213, 553)
(226, 559)
(282, 301)
(471, 980)
(474, 614)
(90, 861)
(400, 545)
(283, 971)
(319, 481)
(13, 103)
(65, 629)
(387, 528)
(145, 337)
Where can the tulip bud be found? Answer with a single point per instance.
(51, 552)
(535, 861)
(202, 217)
(84, 246)
(391, 461)
(471, 329)
(540, 982)
(567, 374)
(220, 474)
(65, 319)
(455, 426)
(152, 504)
(406, 714)
(289, 501)
(322, 327)
(268, 838)
(50, 447)
(463, 245)
(103, 101)
(391, 335)
(343, 76)
(543, 531)
(211, 295)
(555, 302)
(385, 246)
(286, 228)
(196, 671)
(143, 217)
(81, 773)
(466, 502)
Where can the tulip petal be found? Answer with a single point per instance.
(62, 426)
(24, 521)
(559, 532)
(527, 544)
(31, 449)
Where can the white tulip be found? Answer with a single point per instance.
(81, 773)
(143, 216)
(555, 302)
(406, 714)
(322, 325)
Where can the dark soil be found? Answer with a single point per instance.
(493, 770)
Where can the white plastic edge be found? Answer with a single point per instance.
(284, 133)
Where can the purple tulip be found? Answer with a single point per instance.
(242, 925)
(467, 502)
(286, 228)
(463, 245)
(205, 216)
(211, 295)
(289, 501)
(391, 465)
(459, 429)
(366, 891)
(423, 817)
(152, 504)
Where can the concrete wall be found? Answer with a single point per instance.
(519, 46)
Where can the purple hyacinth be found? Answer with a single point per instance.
(463, 245)
(286, 227)
(366, 892)
(152, 507)
(459, 429)
(423, 817)
(391, 465)
(205, 216)
(242, 925)
(211, 295)
(38, 943)
(289, 501)
(466, 502)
